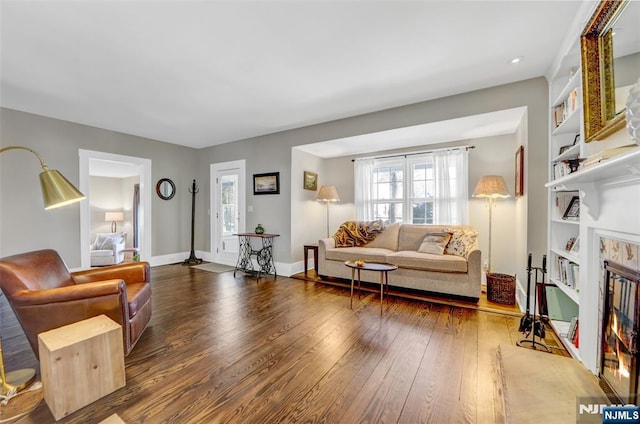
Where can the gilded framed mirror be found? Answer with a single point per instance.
(610, 65)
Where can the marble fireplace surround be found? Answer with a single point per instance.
(611, 230)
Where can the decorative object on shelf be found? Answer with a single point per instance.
(259, 229)
(575, 248)
(57, 191)
(598, 86)
(570, 243)
(520, 171)
(633, 112)
(491, 187)
(574, 164)
(114, 218)
(328, 194)
(528, 323)
(192, 259)
(568, 146)
(573, 210)
(165, 189)
(267, 183)
(310, 181)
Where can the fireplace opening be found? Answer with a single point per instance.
(619, 366)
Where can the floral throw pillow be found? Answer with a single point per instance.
(462, 242)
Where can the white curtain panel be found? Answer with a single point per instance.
(451, 204)
(363, 177)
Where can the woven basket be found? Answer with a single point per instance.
(501, 288)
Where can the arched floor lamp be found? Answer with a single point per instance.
(56, 191)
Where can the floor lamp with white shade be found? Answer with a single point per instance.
(328, 194)
(56, 191)
(491, 187)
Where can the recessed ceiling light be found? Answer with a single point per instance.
(516, 59)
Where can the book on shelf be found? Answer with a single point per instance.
(607, 154)
(562, 111)
(560, 169)
(576, 335)
(572, 328)
(568, 272)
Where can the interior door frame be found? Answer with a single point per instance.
(214, 168)
(85, 207)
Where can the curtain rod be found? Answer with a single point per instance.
(404, 155)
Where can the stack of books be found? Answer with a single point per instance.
(608, 154)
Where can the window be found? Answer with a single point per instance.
(417, 189)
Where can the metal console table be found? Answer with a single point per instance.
(264, 255)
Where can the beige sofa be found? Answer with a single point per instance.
(398, 244)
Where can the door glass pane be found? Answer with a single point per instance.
(229, 197)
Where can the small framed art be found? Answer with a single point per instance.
(310, 181)
(267, 183)
(520, 171)
(573, 210)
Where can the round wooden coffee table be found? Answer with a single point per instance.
(382, 268)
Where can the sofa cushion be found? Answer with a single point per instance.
(367, 254)
(435, 243)
(96, 253)
(427, 261)
(411, 235)
(388, 239)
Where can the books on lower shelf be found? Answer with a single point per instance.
(574, 332)
(568, 272)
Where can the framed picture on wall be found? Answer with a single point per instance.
(310, 181)
(267, 183)
(520, 171)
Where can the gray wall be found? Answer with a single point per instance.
(274, 153)
(26, 226)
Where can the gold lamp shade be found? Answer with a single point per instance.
(57, 191)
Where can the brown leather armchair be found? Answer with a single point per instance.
(45, 295)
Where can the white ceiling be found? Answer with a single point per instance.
(470, 127)
(201, 73)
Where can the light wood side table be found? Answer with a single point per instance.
(80, 363)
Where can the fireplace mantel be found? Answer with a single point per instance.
(623, 169)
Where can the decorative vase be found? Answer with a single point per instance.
(633, 112)
(259, 229)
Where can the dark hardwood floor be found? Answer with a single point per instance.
(225, 350)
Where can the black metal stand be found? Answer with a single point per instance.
(192, 259)
(528, 324)
(264, 255)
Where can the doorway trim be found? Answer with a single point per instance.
(85, 208)
(214, 168)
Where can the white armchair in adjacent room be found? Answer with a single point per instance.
(108, 249)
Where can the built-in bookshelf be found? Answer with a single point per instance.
(566, 148)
